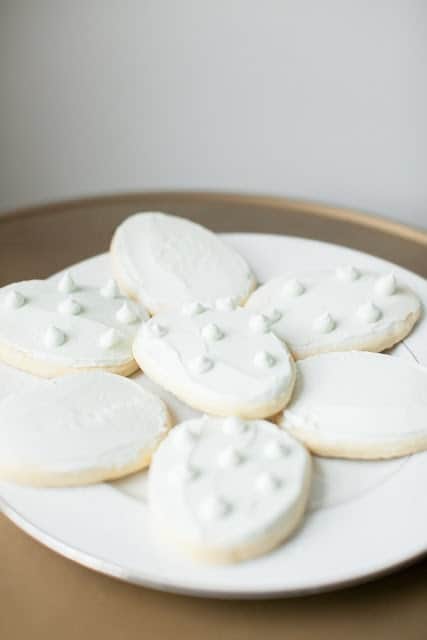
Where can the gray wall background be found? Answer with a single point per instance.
(322, 99)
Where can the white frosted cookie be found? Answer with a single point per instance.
(79, 429)
(220, 362)
(224, 490)
(165, 261)
(53, 327)
(359, 405)
(339, 310)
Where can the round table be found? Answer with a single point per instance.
(45, 596)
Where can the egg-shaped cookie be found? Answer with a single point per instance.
(359, 405)
(225, 489)
(337, 310)
(220, 362)
(52, 327)
(79, 429)
(165, 261)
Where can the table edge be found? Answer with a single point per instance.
(273, 203)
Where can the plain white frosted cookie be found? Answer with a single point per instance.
(79, 429)
(359, 405)
(224, 490)
(165, 261)
(339, 310)
(220, 362)
(53, 327)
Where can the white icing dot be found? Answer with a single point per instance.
(293, 288)
(193, 309)
(274, 316)
(183, 473)
(126, 315)
(109, 339)
(274, 450)
(70, 306)
(267, 482)
(201, 364)
(185, 438)
(14, 299)
(234, 426)
(347, 273)
(157, 330)
(110, 289)
(226, 304)
(264, 359)
(66, 283)
(54, 337)
(259, 323)
(386, 285)
(324, 323)
(212, 333)
(230, 457)
(369, 312)
(214, 508)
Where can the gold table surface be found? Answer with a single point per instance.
(45, 596)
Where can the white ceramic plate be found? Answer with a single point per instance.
(364, 518)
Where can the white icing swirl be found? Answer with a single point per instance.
(70, 306)
(66, 284)
(110, 289)
(54, 337)
(324, 323)
(293, 288)
(369, 312)
(14, 299)
(387, 285)
(211, 332)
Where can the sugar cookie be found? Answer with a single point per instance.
(220, 362)
(79, 429)
(359, 405)
(339, 310)
(224, 490)
(51, 327)
(165, 261)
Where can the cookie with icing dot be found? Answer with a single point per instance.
(225, 489)
(220, 362)
(165, 261)
(359, 405)
(51, 327)
(341, 310)
(79, 429)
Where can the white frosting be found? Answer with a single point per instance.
(222, 493)
(215, 362)
(110, 289)
(66, 284)
(211, 332)
(54, 337)
(70, 306)
(337, 310)
(166, 261)
(14, 299)
(68, 324)
(369, 312)
(75, 424)
(226, 304)
(358, 398)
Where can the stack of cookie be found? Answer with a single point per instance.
(276, 371)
